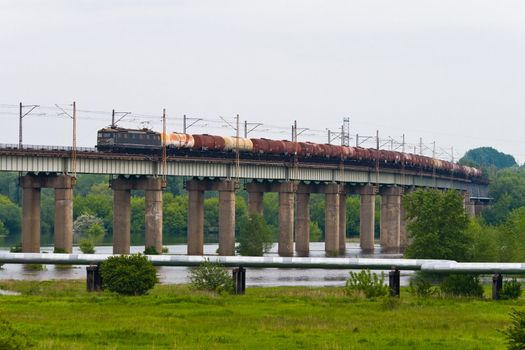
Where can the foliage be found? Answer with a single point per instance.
(507, 188)
(462, 286)
(16, 249)
(11, 338)
(369, 284)
(211, 277)
(11, 218)
(515, 334)
(255, 237)
(59, 251)
(421, 286)
(487, 157)
(315, 232)
(151, 251)
(86, 246)
(128, 274)
(511, 290)
(437, 224)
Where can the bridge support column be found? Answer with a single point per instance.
(302, 222)
(331, 226)
(470, 206)
(367, 217)
(286, 218)
(121, 221)
(195, 218)
(255, 198)
(390, 218)
(342, 223)
(153, 214)
(64, 214)
(30, 214)
(227, 217)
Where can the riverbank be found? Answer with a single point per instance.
(62, 315)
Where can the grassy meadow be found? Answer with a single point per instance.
(62, 315)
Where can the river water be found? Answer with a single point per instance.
(259, 277)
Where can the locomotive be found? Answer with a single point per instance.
(146, 141)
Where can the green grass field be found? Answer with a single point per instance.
(62, 315)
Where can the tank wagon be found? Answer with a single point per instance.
(146, 141)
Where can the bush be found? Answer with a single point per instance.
(462, 285)
(59, 251)
(420, 286)
(86, 246)
(16, 249)
(515, 334)
(151, 251)
(12, 339)
(511, 290)
(367, 283)
(128, 274)
(211, 277)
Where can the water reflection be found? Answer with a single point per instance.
(254, 276)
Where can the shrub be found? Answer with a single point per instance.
(255, 237)
(515, 334)
(462, 285)
(86, 246)
(211, 277)
(151, 251)
(128, 274)
(367, 283)
(59, 251)
(420, 286)
(16, 249)
(11, 338)
(511, 290)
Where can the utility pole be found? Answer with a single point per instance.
(74, 148)
(114, 114)
(164, 152)
(297, 131)
(237, 155)
(345, 132)
(21, 116)
(246, 125)
(420, 146)
(185, 125)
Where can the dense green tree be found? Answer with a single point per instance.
(487, 157)
(9, 186)
(315, 232)
(175, 218)
(255, 238)
(138, 210)
(437, 225)
(85, 183)
(11, 219)
(353, 206)
(507, 188)
(99, 205)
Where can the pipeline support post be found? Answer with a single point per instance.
(497, 285)
(394, 277)
(239, 280)
(94, 279)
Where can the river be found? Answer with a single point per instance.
(259, 277)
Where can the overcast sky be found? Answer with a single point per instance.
(447, 71)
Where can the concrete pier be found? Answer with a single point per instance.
(121, 221)
(195, 218)
(153, 219)
(30, 216)
(31, 187)
(367, 217)
(332, 223)
(342, 223)
(227, 217)
(255, 198)
(286, 218)
(302, 223)
(390, 218)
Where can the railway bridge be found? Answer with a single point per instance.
(55, 167)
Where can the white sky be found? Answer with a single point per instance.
(448, 71)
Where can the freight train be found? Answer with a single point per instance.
(146, 141)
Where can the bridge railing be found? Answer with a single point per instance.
(13, 146)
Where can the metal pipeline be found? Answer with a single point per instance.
(227, 261)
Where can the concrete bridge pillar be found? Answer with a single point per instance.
(302, 221)
(195, 218)
(367, 217)
(30, 214)
(255, 198)
(64, 213)
(286, 218)
(403, 234)
(331, 229)
(342, 223)
(121, 217)
(227, 217)
(470, 206)
(153, 213)
(390, 218)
